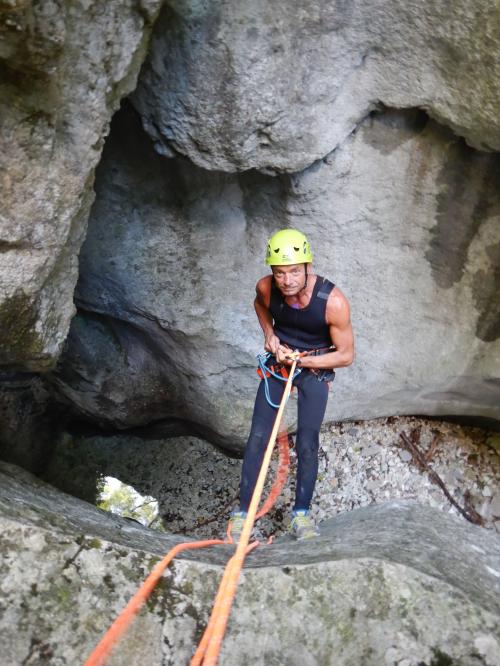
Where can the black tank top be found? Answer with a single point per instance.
(305, 328)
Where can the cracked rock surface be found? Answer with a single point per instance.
(383, 584)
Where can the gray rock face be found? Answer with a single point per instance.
(391, 584)
(404, 217)
(64, 68)
(238, 85)
(401, 213)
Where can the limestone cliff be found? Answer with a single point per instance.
(64, 66)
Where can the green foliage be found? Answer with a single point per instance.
(123, 500)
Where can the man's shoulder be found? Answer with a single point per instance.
(263, 285)
(337, 305)
(263, 290)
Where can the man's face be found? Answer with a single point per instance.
(290, 279)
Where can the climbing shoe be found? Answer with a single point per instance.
(236, 522)
(302, 526)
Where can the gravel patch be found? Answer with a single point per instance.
(360, 463)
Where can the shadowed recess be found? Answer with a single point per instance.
(470, 194)
(486, 290)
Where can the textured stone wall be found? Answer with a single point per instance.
(64, 66)
(383, 585)
(404, 217)
(276, 86)
(371, 128)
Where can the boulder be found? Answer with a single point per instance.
(239, 85)
(391, 584)
(403, 217)
(63, 69)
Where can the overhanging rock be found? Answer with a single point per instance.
(64, 67)
(238, 85)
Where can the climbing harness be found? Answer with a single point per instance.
(322, 375)
(267, 369)
(208, 650)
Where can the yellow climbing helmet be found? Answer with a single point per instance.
(286, 247)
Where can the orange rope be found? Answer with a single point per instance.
(227, 589)
(281, 475)
(122, 622)
(198, 656)
(279, 482)
(209, 647)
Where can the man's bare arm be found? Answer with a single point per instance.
(261, 304)
(338, 319)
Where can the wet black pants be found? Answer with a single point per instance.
(312, 399)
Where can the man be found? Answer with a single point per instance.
(297, 310)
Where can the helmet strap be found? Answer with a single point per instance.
(305, 283)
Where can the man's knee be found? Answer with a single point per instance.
(257, 441)
(307, 443)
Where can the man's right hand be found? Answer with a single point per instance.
(272, 343)
(283, 354)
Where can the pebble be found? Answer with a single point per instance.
(485, 510)
(405, 456)
(370, 450)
